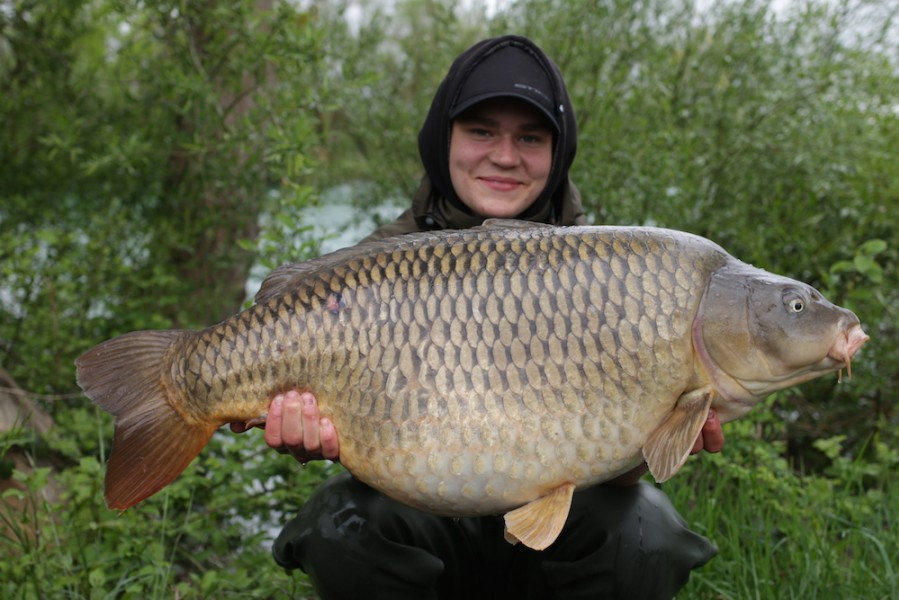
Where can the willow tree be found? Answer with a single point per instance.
(142, 143)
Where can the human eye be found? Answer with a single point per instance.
(479, 131)
(535, 139)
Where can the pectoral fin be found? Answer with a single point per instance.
(538, 523)
(669, 445)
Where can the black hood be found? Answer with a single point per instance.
(434, 137)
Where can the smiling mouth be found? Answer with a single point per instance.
(500, 183)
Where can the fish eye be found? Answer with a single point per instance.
(795, 299)
(796, 305)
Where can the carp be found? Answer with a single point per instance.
(482, 371)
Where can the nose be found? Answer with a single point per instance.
(504, 152)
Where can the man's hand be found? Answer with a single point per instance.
(293, 426)
(710, 439)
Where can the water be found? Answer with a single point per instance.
(332, 223)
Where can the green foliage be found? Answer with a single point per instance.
(153, 150)
(155, 128)
(212, 520)
(782, 534)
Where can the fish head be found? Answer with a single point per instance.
(756, 333)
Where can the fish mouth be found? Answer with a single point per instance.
(845, 347)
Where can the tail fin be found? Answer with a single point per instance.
(153, 443)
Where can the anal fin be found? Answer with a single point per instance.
(538, 523)
(668, 447)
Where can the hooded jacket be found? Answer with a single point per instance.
(435, 205)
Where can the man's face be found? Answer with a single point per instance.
(500, 156)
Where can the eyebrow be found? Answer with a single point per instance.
(538, 125)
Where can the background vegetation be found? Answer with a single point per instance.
(153, 150)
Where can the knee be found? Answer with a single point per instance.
(637, 541)
(336, 514)
(344, 514)
(347, 527)
(654, 539)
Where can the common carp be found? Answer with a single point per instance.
(482, 371)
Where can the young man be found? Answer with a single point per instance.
(498, 141)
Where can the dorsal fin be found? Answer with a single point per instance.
(288, 276)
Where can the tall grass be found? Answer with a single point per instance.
(793, 535)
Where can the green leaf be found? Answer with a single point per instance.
(873, 247)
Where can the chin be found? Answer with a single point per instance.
(501, 211)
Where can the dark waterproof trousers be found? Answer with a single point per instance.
(619, 542)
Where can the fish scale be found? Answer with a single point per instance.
(478, 371)
(434, 377)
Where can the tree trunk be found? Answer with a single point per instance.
(222, 186)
